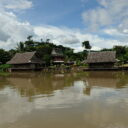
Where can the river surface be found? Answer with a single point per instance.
(73, 100)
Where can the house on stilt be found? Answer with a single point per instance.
(57, 56)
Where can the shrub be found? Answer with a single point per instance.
(4, 67)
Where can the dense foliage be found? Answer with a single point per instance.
(44, 49)
(121, 53)
(4, 67)
(4, 56)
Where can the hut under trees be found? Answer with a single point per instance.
(26, 61)
(101, 60)
(57, 56)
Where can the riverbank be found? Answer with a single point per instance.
(58, 69)
(121, 68)
(4, 73)
(62, 69)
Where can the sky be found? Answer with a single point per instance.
(65, 22)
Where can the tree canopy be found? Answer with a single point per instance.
(86, 45)
(44, 49)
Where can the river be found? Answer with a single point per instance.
(71, 100)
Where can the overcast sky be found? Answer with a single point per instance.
(68, 22)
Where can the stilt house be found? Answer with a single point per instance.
(57, 56)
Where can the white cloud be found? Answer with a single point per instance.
(114, 32)
(110, 13)
(12, 30)
(97, 17)
(16, 4)
(73, 38)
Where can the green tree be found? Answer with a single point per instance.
(121, 52)
(47, 40)
(20, 47)
(86, 45)
(12, 52)
(29, 43)
(4, 56)
(29, 37)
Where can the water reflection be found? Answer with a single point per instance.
(37, 84)
(93, 100)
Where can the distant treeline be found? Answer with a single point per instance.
(44, 49)
(121, 53)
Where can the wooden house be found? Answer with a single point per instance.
(25, 61)
(57, 56)
(101, 60)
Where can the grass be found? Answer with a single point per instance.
(4, 74)
(124, 65)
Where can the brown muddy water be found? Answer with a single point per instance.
(75, 100)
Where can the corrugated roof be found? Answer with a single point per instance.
(22, 58)
(101, 57)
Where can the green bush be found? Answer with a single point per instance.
(4, 67)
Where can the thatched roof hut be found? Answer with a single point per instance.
(24, 58)
(57, 56)
(102, 59)
(27, 60)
